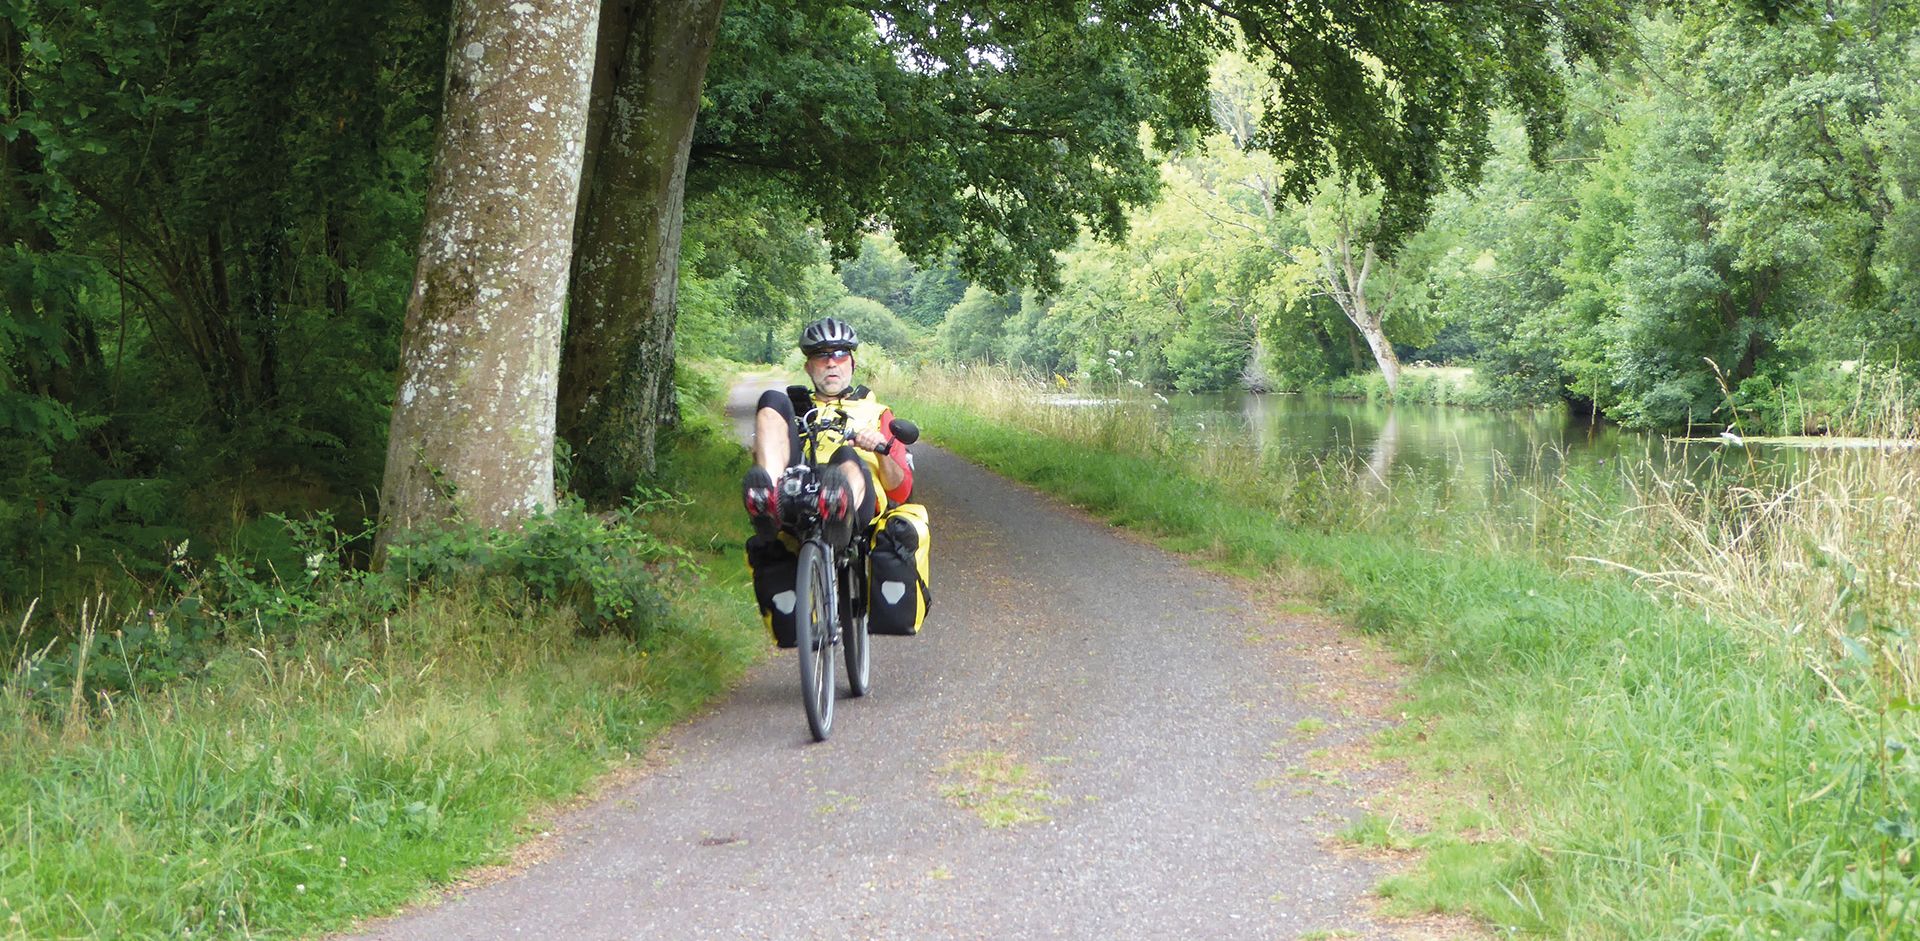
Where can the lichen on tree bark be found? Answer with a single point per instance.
(473, 417)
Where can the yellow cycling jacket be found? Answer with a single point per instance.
(861, 412)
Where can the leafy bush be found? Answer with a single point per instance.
(876, 324)
(601, 565)
(324, 590)
(1420, 385)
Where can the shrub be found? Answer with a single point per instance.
(600, 565)
(603, 567)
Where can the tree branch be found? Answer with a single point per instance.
(118, 214)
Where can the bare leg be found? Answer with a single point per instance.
(857, 487)
(771, 449)
(770, 441)
(855, 472)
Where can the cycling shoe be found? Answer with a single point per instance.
(762, 499)
(836, 505)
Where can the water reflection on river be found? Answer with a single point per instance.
(1387, 444)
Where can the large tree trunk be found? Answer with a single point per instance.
(617, 378)
(1346, 280)
(472, 433)
(609, 63)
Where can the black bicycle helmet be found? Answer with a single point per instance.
(828, 333)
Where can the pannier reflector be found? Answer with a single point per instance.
(784, 601)
(893, 591)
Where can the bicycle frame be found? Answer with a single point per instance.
(828, 585)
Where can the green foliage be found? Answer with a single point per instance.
(1720, 234)
(1422, 385)
(1001, 131)
(603, 566)
(204, 252)
(883, 273)
(749, 267)
(875, 323)
(973, 329)
(1722, 216)
(1203, 360)
(1001, 157)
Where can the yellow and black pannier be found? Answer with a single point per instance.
(898, 569)
(774, 567)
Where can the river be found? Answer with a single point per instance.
(1400, 443)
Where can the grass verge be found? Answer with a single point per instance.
(1658, 764)
(293, 784)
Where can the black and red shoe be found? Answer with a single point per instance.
(762, 499)
(836, 504)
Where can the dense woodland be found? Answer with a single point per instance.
(1695, 213)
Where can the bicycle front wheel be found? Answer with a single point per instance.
(814, 612)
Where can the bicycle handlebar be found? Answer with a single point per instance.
(905, 431)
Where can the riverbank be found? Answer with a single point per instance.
(1419, 385)
(295, 780)
(1712, 747)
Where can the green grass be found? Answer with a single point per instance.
(999, 789)
(1376, 832)
(1656, 766)
(293, 785)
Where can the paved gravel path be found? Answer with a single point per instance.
(1146, 700)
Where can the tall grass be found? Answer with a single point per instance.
(1688, 698)
(297, 781)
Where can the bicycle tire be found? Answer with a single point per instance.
(853, 623)
(814, 610)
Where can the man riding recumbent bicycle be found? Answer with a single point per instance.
(837, 551)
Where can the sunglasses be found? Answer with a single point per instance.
(831, 356)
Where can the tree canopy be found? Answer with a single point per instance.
(1000, 131)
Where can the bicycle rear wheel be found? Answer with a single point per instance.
(853, 630)
(814, 611)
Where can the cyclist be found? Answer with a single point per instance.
(869, 452)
